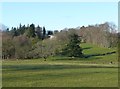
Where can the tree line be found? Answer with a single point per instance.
(20, 42)
(29, 31)
(27, 42)
(102, 35)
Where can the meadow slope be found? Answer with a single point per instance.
(94, 71)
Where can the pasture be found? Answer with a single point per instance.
(94, 71)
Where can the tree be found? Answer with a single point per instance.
(7, 30)
(44, 32)
(56, 31)
(23, 28)
(8, 49)
(39, 32)
(50, 33)
(73, 48)
(103, 35)
(22, 46)
(14, 32)
(31, 31)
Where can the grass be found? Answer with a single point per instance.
(105, 59)
(63, 71)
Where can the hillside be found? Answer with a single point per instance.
(94, 55)
(95, 71)
(100, 54)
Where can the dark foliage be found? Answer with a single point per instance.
(73, 48)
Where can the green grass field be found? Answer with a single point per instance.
(95, 71)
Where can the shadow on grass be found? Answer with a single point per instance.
(85, 58)
(87, 48)
(102, 54)
(50, 67)
(50, 75)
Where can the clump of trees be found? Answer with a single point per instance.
(27, 42)
(20, 42)
(17, 47)
(102, 35)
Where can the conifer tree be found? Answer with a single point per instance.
(73, 48)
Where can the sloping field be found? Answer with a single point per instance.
(94, 71)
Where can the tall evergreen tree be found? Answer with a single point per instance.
(23, 29)
(73, 48)
(31, 31)
(19, 29)
(44, 32)
(20, 26)
(39, 32)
